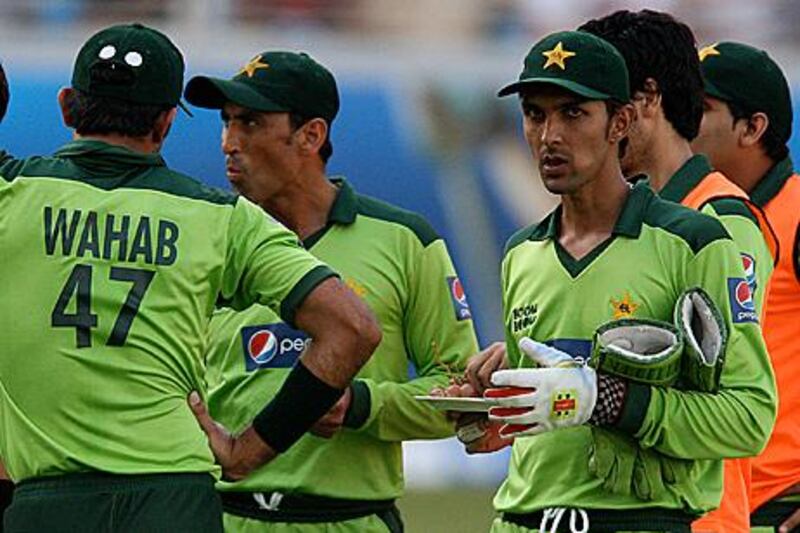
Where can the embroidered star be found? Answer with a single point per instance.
(356, 287)
(252, 66)
(624, 308)
(556, 56)
(710, 50)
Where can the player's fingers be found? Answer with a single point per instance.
(200, 412)
(790, 523)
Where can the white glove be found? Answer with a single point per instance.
(531, 401)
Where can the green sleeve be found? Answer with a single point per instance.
(512, 349)
(735, 422)
(265, 263)
(438, 344)
(746, 234)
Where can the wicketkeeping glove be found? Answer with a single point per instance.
(641, 350)
(706, 337)
(560, 393)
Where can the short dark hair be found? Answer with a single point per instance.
(658, 46)
(92, 114)
(774, 146)
(5, 94)
(296, 121)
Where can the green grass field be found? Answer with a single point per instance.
(447, 511)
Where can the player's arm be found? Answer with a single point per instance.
(743, 228)
(439, 337)
(736, 421)
(267, 265)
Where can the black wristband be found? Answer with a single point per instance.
(360, 405)
(300, 402)
(6, 492)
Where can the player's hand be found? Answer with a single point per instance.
(481, 366)
(530, 401)
(480, 435)
(237, 455)
(473, 430)
(327, 426)
(790, 523)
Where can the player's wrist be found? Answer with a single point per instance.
(360, 406)
(301, 401)
(621, 404)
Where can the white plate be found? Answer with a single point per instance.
(470, 405)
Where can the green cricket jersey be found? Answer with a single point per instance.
(395, 261)
(112, 265)
(657, 250)
(738, 220)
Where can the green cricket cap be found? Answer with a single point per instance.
(130, 62)
(577, 61)
(275, 81)
(749, 78)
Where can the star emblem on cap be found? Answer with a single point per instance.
(556, 56)
(710, 50)
(252, 66)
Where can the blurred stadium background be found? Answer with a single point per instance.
(420, 126)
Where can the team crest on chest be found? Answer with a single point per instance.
(624, 307)
(356, 287)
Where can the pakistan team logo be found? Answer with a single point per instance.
(564, 404)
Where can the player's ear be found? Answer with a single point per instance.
(163, 124)
(68, 105)
(754, 129)
(312, 135)
(619, 124)
(648, 100)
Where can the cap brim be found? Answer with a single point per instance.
(571, 86)
(214, 93)
(714, 91)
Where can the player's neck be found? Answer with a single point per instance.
(589, 214)
(749, 169)
(668, 153)
(304, 204)
(143, 144)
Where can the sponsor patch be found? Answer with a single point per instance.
(564, 404)
(523, 317)
(272, 346)
(459, 298)
(743, 308)
(749, 264)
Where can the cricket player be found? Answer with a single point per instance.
(112, 265)
(667, 89)
(747, 122)
(277, 113)
(593, 451)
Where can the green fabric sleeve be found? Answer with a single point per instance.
(749, 240)
(265, 262)
(737, 421)
(512, 349)
(438, 345)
